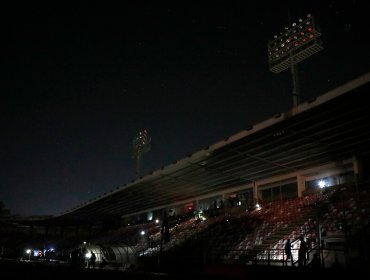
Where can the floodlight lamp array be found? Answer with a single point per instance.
(294, 44)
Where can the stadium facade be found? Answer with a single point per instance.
(317, 146)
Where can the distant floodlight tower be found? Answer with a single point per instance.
(140, 145)
(293, 45)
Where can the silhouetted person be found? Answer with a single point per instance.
(302, 252)
(92, 260)
(165, 231)
(221, 203)
(288, 252)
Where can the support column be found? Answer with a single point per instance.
(357, 169)
(256, 195)
(301, 185)
(195, 205)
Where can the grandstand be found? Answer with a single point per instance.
(304, 172)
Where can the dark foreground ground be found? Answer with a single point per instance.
(26, 270)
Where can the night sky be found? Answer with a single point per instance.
(79, 82)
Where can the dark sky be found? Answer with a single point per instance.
(78, 82)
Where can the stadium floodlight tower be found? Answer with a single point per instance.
(140, 145)
(294, 44)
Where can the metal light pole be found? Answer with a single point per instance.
(294, 44)
(140, 145)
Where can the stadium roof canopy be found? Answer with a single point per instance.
(332, 127)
